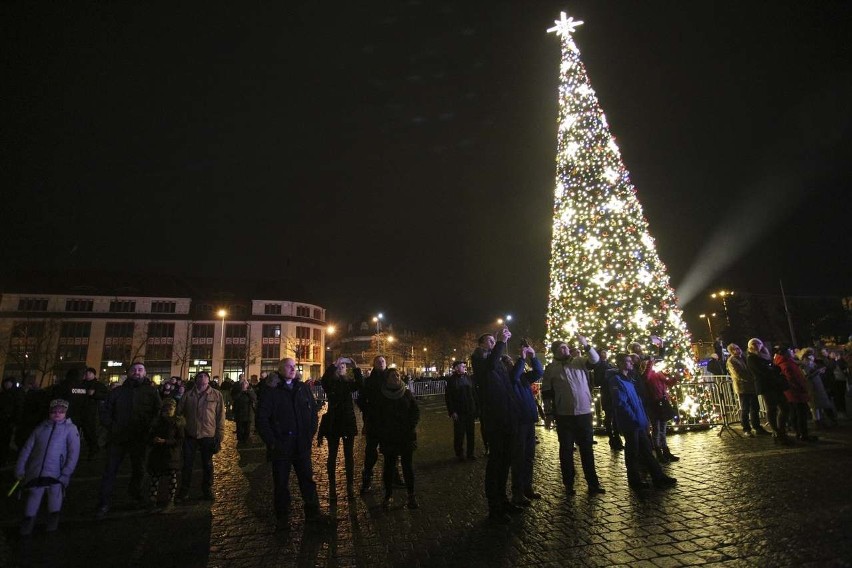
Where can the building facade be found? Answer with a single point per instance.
(45, 335)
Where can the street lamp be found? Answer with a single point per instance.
(377, 319)
(709, 325)
(724, 294)
(222, 314)
(506, 320)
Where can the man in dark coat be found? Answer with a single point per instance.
(287, 422)
(500, 411)
(85, 395)
(129, 413)
(368, 394)
(770, 384)
(11, 400)
(461, 407)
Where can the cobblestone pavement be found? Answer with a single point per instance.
(739, 502)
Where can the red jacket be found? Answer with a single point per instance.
(798, 391)
(657, 384)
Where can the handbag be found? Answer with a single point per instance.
(664, 410)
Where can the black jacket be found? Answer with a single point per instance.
(459, 396)
(243, 402)
(767, 377)
(368, 395)
(396, 422)
(339, 419)
(163, 457)
(283, 414)
(499, 407)
(130, 410)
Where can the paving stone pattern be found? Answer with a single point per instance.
(738, 502)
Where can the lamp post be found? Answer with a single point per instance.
(709, 325)
(222, 314)
(425, 350)
(724, 294)
(329, 331)
(377, 319)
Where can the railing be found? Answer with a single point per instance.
(707, 401)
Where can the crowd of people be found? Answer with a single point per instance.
(795, 385)
(162, 428)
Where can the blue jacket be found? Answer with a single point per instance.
(521, 383)
(629, 411)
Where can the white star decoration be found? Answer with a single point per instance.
(615, 205)
(565, 26)
(592, 244)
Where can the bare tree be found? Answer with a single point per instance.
(32, 345)
(182, 352)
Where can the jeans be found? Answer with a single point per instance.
(776, 412)
(243, 429)
(286, 456)
(500, 446)
(749, 408)
(799, 414)
(405, 455)
(523, 459)
(206, 447)
(570, 430)
(348, 457)
(658, 434)
(115, 456)
(638, 455)
(371, 456)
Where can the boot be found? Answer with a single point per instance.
(52, 521)
(27, 526)
(661, 457)
(669, 456)
(412, 502)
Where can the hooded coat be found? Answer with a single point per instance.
(50, 453)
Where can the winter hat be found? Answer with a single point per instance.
(555, 345)
(58, 402)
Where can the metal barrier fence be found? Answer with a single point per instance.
(707, 401)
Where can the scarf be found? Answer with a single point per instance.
(393, 394)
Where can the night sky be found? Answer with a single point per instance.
(399, 156)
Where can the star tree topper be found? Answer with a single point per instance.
(565, 26)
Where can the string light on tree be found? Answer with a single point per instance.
(606, 278)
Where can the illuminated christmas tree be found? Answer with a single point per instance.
(606, 279)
